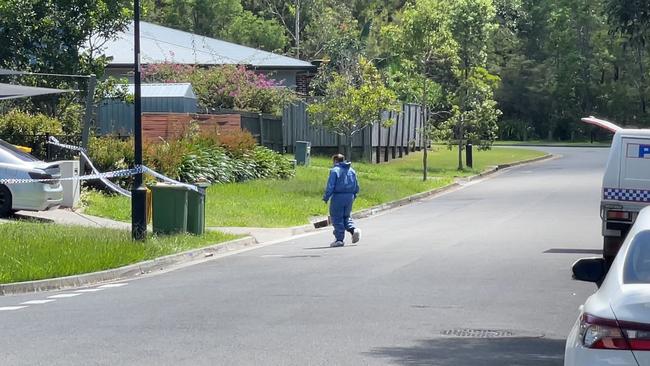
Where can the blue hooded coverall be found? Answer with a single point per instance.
(342, 188)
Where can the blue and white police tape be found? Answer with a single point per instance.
(53, 141)
(104, 178)
(114, 174)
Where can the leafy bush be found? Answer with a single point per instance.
(196, 159)
(228, 86)
(111, 153)
(208, 164)
(19, 127)
(167, 157)
(237, 142)
(271, 164)
(215, 165)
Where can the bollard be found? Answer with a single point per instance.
(468, 156)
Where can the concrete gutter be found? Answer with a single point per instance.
(130, 271)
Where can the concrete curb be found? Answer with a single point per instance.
(129, 271)
(420, 196)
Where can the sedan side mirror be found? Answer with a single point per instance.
(590, 270)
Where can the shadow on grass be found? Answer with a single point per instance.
(26, 218)
(472, 351)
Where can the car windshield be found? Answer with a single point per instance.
(637, 264)
(12, 155)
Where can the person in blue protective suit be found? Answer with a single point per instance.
(342, 188)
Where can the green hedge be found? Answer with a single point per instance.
(215, 165)
(191, 161)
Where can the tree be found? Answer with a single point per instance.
(253, 31)
(333, 35)
(52, 35)
(352, 101)
(291, 14)
(475, 118)
(632, 19)
(473, 23)
(423, 58)
(205, 17)
(225, 19)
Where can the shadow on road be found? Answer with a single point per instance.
(483, 352)
(574, 251)
(328, 247)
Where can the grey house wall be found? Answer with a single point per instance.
(117, 117)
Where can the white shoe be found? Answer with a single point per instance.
(337, 244)
(356, 235)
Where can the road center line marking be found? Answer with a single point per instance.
(62, 296)
(36, 302)
(8, 308)
(113, 285)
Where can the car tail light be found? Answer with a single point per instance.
(638, 335)
(599, 333)
(619, 215)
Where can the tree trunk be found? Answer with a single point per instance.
(460, 144)
(297, 28)
(348, 148)
(425, 125)
(424, 162)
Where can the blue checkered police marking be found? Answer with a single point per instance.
(634, 195)
(643, 151)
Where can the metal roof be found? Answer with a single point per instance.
(11, 91)
(183, 90)
(10, 72)
(160, 44)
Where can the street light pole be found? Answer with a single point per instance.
(139, 193)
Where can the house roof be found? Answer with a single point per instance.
(12, 91)
(10, 72)
(160, 44)
(175, 90)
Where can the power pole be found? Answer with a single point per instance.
(139, 193)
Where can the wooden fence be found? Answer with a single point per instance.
(170, 126)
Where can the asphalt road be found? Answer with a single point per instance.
(495, 255)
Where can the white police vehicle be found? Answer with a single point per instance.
(626, 184)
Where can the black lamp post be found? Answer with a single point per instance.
(139, 193)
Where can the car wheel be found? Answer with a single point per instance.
(5, 201)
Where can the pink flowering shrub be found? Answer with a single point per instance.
(229, 86)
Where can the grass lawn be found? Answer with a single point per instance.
(553, 143)
(33, 251)
(273, 203)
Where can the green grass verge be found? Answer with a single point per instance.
(553, 143)
(273, 203)
(34, 251)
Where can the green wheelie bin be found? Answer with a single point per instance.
(170, 208)
(196, 210)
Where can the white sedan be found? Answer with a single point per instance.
(15, 164)
(613, 327)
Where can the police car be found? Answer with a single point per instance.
(626, 184)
